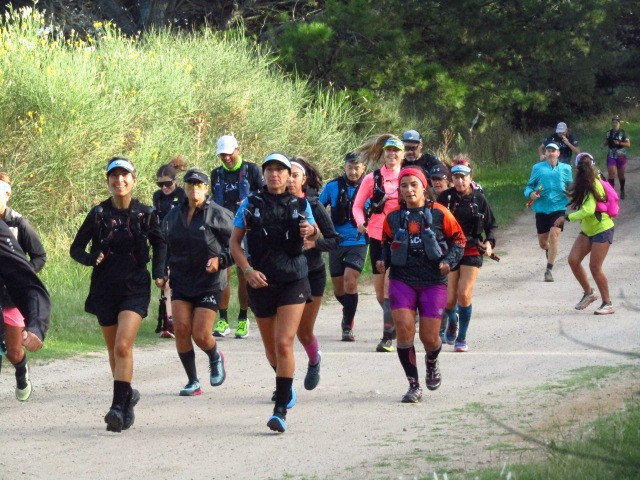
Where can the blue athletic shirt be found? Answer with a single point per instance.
(555, 181)
(238, 221)
(330, 196)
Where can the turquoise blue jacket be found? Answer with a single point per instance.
(555, 181)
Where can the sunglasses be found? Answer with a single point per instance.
(166, 184)
(410, 148)
(198, 185)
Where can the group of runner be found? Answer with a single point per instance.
(426, 226)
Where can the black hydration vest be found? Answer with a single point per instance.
(342, 214)
(379, 196)
(273, 232)
(434, 250)
(116, 234)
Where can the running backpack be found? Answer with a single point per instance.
(611, 203)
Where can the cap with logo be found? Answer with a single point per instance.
(118, 162)
(438, 171)
(411, 136)
(196, 176)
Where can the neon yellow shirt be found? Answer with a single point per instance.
(586, 215)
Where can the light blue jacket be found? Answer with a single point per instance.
(555, 181)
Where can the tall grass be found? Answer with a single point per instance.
(68, 104)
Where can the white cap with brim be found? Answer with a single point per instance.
(227, 144)
(276, 157)
(120, 163)
(553, 145)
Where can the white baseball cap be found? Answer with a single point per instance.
(561, 127)
(226, 144)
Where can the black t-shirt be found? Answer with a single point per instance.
(565, 152)
(164, 203)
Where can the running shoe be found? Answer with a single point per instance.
(586, 300)
(276, 421)
(191, 389)
(385, 345)
(605, 309)
(217, 370)
(23, 385)
(451, 333)
(312, 378)
(434, 379)
(347, 335)
(461, 346)
(413, 395)
(222, 328)
(548, 277)
(129, 415)
(242, 330)
(114, 420)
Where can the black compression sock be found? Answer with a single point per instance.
(350, 307)
(188, 360)
(283, 391)
(21, 373)
(622, 182)
(612, 181)
(213, 353)
(222, 313)
(340, 299)
(433, 355)
(549, 266)
(121, 391)
(243, 314)
(407, 356)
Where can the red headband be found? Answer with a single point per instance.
(416, 172)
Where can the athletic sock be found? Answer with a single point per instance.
(549, 266)
(622, 182)
(222, 314)
(243, 314)
(283, 391)
(350, 306)
(612, 181)
(312, 351)
(407, 356)
(464, 313)
(188, 360)
(213, 353)
(121, 391)
(340, 298)
(21, 373)
(433, 355)
(452, 314)
(388, 327)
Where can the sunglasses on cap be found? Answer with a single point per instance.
(166, 184)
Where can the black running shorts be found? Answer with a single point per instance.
(375, 253)
(208, 300)
(347, 257)
(264, 302)
(544, 221)
(469, 261)
(106, 309)
(318, 281)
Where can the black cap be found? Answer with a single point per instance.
(352, 157)
(438, 170)
(196, 176)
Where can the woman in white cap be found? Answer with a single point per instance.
(276, 224)
(472, 211)
(380, 188)
(120, 230)
(14, 324)
(197, 235)
(588, 199)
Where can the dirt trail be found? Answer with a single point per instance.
(524, 334)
